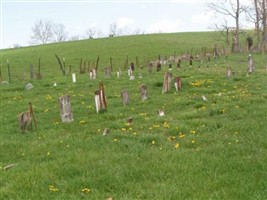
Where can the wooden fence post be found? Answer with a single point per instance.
(39, 76)
(8, 68)
(31, 71)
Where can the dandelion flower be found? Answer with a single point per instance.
(153, 142)
(177, 145)
(82, 122)
(86, 190)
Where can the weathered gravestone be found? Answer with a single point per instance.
(100, 99)
(251, 67)
(150, 67)
(229, 72)
(178, 83)
(92, 73)
(65, 109)
(143, 92)
(166, 82)
(125, 97)
(107, 71)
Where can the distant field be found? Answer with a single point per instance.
(214, 149)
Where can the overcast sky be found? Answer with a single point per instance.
(18, 17)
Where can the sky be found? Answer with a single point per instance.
(18, 17)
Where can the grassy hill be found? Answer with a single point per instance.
(214, 149)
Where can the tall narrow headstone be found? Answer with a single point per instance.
(166, 82)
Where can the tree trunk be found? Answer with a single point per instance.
(264, 24)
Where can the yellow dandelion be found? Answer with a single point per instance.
(193, 132)
(82, 122)
(153, 142)
(86, 190)
(193, 141)
(48, 153)
(48, 97)
(115, 140)
(177, 145)
(181, 135)
(53, 188)
(123, 129)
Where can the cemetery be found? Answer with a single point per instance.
(163, 116)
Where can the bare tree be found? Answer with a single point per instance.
(232, 9)
(113, 29)
(42, 32)
(59, 32)
(258, 14)
(264, 23)
(90, 33)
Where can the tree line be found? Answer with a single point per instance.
(254, 11)
(45, 31)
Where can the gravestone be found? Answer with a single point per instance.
(100, 99)
(65, 109)
(143, 92)
(166, 82)
(178, 83)
(125, 97)
(251, 67)
(107, 71)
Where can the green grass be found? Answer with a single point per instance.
(215, 149)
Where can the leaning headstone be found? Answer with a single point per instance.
(29, 86)
(143, 92)
(65, 109)
(125, 97)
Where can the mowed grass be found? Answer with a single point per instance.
(214, 149)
